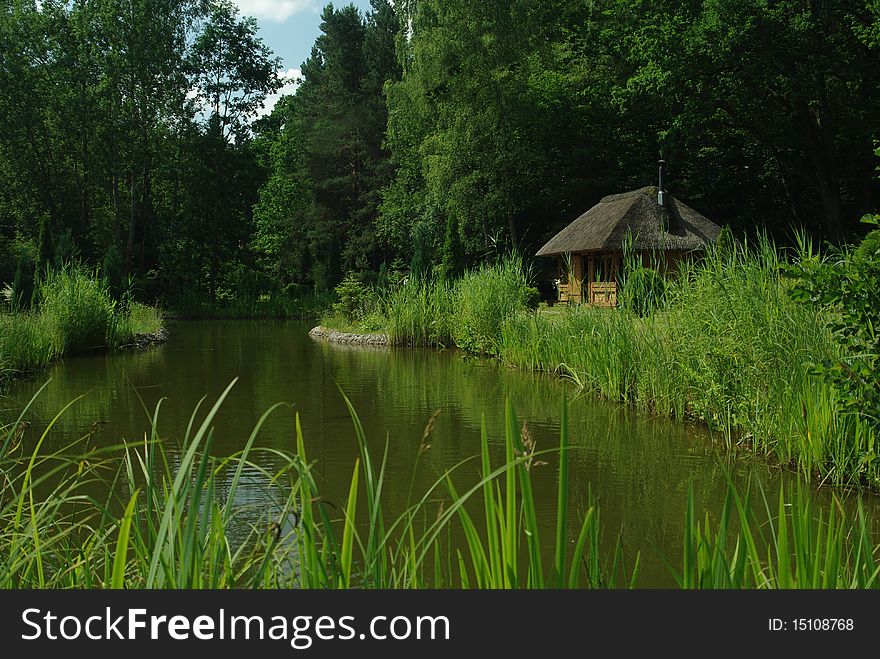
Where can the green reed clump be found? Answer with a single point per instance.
(26, 342)
(729, 346)
(466, 313)
(420, 313)
(135, 319)
(798, 546)
(78, 308)
(501, 550)
(74, 313)
(484, 298)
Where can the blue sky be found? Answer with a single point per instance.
(290, 27)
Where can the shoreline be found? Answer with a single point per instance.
(138, 342)
(145, 340)
(349, 338)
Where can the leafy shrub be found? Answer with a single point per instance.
(23, 284)
(355, 299)
(112, 269)
(847, 283)
(531, 297)
(252, 284)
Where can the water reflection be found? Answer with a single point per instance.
(639, 467)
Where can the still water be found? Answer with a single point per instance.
(639, 467)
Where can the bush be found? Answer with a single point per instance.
(356, 300)
(79, 309)
(846, 283)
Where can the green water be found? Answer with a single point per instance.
(639, 467)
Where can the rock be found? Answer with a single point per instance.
(144, 341)
(349, 338)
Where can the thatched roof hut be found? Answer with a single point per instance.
(663, 231)
(675, 226)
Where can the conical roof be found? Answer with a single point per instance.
(605, 226)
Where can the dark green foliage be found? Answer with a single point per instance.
(422, 250)
(106, 158)
(441, 133)
(451, 260)
(111, 267)
(23, 282)
(847, 283)
(354, 299)
(316, 217)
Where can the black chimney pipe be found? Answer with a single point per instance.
(661, 188)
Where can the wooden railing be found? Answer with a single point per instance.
(566, 296)
(599, 294)
(603, 294)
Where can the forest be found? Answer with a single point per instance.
(424, 136)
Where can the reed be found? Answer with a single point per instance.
(798, 546)
(171, 518)
(729, 347)
(74, 313)
(466, 313)
(78, 308)
(421, 313)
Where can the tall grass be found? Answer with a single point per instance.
(730, 347)
(170, 516)
(797, 547)
(78, 308)
(172, 519)
(74, 313)
(467, 313)
(421, 313)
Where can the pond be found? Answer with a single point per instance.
(637, 466)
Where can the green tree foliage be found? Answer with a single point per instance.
(439, 134)
(107, 154)
(782, 91)
(324, 148)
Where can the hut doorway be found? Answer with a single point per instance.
(602, 269)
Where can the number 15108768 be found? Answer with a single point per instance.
(811, 624)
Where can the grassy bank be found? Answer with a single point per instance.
(730, 347)
(170, 520)
(725, 343)
(73, 313)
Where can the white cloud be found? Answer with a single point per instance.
(291, 78)
(276, 10)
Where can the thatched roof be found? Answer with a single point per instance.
(606, 225)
